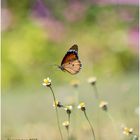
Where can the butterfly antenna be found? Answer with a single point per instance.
(54, 65)
(51, 67)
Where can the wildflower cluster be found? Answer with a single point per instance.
(103, 105)
(82, 107)
(47, 83)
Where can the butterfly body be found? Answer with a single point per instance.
(71, 62)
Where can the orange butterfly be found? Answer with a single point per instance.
(71, 62)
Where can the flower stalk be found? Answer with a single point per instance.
(57, 116)
(92, 81)
(89, 124)
(104, 106)
(68, 110)
(66, 124)
(83, 108)
(96, 92)
(47, 83)
(75, 84)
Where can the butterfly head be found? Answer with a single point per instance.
(61, 67)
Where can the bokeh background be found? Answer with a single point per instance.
(36, 34)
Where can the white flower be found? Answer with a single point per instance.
(75, 83)
(127, 131)
(82, 106)
(68, 108)
(57, 104)
(104, 105)
(66, 124)
(47, 82)
(92, 80)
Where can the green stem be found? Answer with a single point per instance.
(90, 125)
(75, 112)
(96, 92)
(97, 101)
(98, 123)
(68, 133)
(76, 96)
(134, 137)
(69, 118)
(111, 118)
(68, 126)
(57, 116)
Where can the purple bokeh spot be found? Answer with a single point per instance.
(40, 9)
(134, 38)
(121, 2)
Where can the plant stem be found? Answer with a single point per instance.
(96, 92)
(69, 118)
(57, 116)
(97, 102)
(98, 123)
(90, 125)
(75, 112)
(68, 133)
(68, 126)
(111, 118)
(134, 137)
(76, 96)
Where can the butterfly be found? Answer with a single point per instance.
(71, 62)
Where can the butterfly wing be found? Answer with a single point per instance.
(72, 54)
(74, 47)
(72, 67)
(71, 62)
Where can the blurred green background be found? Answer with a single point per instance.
(37, 33)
